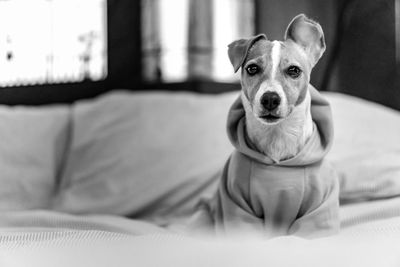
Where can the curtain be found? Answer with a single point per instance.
(187, 39)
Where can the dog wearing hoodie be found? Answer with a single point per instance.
(276, 182)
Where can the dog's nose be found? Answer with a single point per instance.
(270, 100)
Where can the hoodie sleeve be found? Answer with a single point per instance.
(231, 211)
(319, 215)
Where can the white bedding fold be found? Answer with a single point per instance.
(49, 221)
(103, 249)
(379, 217)
(370, 237)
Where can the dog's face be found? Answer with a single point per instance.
(275, 74)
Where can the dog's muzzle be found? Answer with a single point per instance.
(270, 102)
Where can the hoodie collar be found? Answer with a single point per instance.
(315, 148)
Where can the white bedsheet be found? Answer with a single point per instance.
(379, 217)
(171, 250)
(370, 237)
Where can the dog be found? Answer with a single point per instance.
(276, 182)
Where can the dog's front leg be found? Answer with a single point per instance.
(320, 216)
(231, 210)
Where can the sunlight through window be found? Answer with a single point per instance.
(52, 41)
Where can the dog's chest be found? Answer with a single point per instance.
(277, 144)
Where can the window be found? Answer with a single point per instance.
(52, 41)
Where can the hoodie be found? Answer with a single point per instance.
(297, 196)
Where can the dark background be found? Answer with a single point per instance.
(360, 59)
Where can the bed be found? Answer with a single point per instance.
(112, 181)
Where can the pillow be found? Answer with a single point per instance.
(366, 151)
(33, 142)
(147, 155)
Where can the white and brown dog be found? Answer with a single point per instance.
(275, 81)
(277, 182)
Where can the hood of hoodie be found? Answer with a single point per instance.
(313, 151)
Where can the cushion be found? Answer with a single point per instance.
(33, 142)
(147, 155)
(366, 151)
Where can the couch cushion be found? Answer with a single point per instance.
(33, 142)
(145, 154)
(366, 151)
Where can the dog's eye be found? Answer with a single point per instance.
(293, 71)
(252, 69)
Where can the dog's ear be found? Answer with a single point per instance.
(309, 35)
(237, 50)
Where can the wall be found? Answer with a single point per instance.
(274, 16)
(366, 64)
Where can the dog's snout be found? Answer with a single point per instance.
(270, 100)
